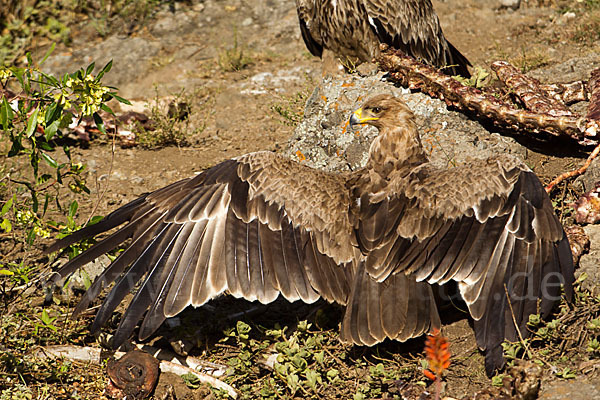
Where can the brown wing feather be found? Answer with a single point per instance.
(413, 27)
(258, 226)
(489, 226)
(398, 308)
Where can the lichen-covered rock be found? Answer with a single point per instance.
(327, 142)
(589, 264)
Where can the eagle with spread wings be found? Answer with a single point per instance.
(375, 240)
(355, 29)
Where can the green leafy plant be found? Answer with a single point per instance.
(34, 123)
(291, 108)
(234, 58)
(566, 373)
(477, 80)
(46, 322)
(172, 124)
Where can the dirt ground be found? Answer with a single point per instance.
(185, 54)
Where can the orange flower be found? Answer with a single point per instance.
(438, 355)
(300, 156)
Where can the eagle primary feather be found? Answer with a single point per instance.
(355, 28)
(376, 240)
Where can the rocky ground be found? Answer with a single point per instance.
(251, 85)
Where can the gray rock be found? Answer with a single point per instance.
(367, 69)
(591, 176)
(130, 56)
(574, 69)
(590, 262)
(512, 4)
(577, 389)
(83, 277)
(327, 142)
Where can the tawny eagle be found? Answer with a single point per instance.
(374, 240)
(355, 28)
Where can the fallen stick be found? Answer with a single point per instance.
(93, 355)
(575, 172)
(206, 367)
(409, 72)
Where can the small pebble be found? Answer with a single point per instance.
(512, 4)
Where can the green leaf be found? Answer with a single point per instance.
(332, 374)
(6, 114)
(51, 130)
(119, 98)
(95, 219)
(47, 320)
(50, 111)
(45, 317)
(293, 382)
(18, 72)
(319, 357)
(34, 201)
(87, 282)
(107, 109)
(6, 272)
(90, 68)
(46, 203)
(99, 123)
(32, 122)
(6, 226)
(30, 236)
(51, 80)
(191, 380)
(312, 378)
(73, 208)
(50, 50)
(104, 70)
(49, 160)
(7, 205)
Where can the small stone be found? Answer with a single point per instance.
(247, 22)
(577, 389)
(565, 18)
(512, 4)
(83, 277)
(366, 69)
(589, 264)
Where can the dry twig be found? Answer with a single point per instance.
(575, 172)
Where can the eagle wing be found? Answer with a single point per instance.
(488, 225)
(255, 226)
(413, 27)
(306, 10)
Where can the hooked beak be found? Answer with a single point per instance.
(357, 118)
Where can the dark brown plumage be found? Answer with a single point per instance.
(355, 28)
(374, 240)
